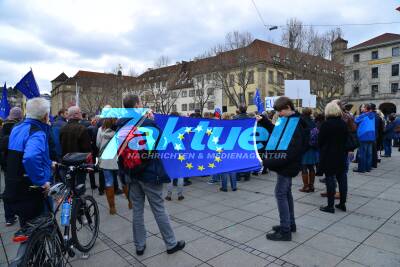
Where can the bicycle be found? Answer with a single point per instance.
(42, 243)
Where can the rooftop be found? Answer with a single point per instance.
(381, 39)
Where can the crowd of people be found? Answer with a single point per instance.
(323, 144)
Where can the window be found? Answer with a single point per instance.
(270, 77)
(374, 73)
(210, 91)
(197, 105)
(208, 77)
(210, 105)
(163, 83)
(191, 93)
(184, 93)
(174, 94)
(394, 87)
(374, 89)
(199, 92)
(191, 106)
(281, 78)
(174, 109)
(356, 90)
(374, 54)
(184, 107)
(395, 51)
(356, 74)
(231, 80)
(241, 98)
(251, 77)
(250, 97)
(395, 70)
(157, 85)
(356, 58)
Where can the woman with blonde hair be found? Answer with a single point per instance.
(332, 143)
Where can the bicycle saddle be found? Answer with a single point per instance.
(75, 159)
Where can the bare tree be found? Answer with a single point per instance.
(162, 61)
(307, 58)
(132, 72)
(203, 91)
(230, 70)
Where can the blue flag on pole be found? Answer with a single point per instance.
(258, 102)
(4, 106)
(197, 147)
(28, 86)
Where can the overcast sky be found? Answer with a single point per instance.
(56, 36)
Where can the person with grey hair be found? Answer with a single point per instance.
(28, 161)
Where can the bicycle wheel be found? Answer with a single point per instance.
(84, 223)
(43, 249)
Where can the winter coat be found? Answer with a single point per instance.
(103, 137)
(389, 133)
(74, 137)
(28, 159)
(55, 131)
(241, 116)
(288, 163)
(332, 142)
(366, 127)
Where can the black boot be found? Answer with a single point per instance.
(327, 209)
(179, 246)
(277, 228)
(341, 206)
(280, 236)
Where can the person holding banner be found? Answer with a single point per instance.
(287, 164)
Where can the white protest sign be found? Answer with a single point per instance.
(269, 102)
(310, 101)
(297, 89)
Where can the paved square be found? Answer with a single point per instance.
(228, 229)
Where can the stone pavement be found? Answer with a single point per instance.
(228, 229)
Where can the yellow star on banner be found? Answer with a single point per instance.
(189, 165)
(181, 157)
(211, 165)
(209, 132)
(218, 159)
(219, 149)
(201, 168)
(181, 137)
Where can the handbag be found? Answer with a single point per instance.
(352, 142)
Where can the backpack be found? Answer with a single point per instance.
(313, 141)
(4, 138)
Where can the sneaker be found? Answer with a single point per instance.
(341, 207)
(223, 190)
(280, 236)
(211, 182)
(181, 198)
(179, 246)
(140, 252)
(234, 189)
(168, 198)
(357, 170)
(327, 209)
(277, 228)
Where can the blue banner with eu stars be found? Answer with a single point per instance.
(197, 147)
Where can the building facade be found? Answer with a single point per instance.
(372, 73)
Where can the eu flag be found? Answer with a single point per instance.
(28, 86)
(197, 147)
(4, 106)
(258, 102)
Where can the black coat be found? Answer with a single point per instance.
(288, 163)
(332, 141)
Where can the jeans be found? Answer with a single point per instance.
(284, 199)
(224, 180)
(374, 155)
(109, 177)
(365, 156)
(387, 146)
(170, 186)
(137, 193)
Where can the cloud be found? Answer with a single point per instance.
(55, 36)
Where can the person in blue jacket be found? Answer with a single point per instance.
(366, 136)
(28, 161)
(389, 135)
